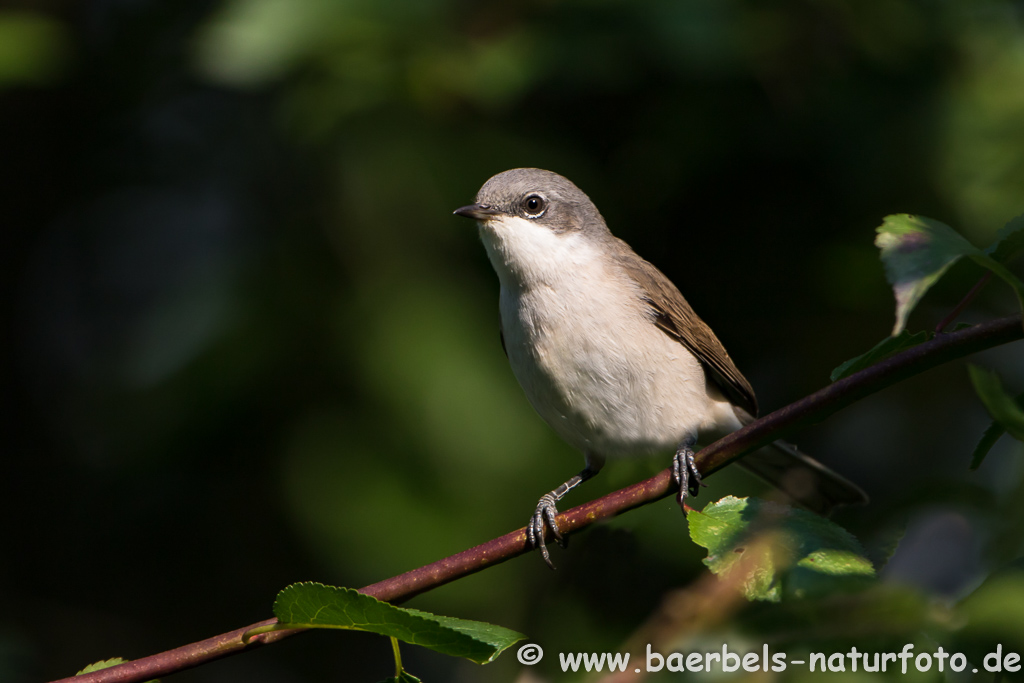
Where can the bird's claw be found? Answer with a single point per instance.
(543, 519)
(685, 473)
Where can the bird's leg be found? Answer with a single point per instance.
(544, 516)
(683, 468)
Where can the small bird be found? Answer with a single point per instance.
(609, 352)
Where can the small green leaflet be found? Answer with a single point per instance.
(784, 552)
(104, 664)
(1005, 411)
(880, 351)
(916, 251)
(314, 605)
(889, 346)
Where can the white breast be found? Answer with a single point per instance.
(586, 351)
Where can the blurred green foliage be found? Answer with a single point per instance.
(32, 48)
(250, 346)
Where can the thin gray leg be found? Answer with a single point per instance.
(544, 516)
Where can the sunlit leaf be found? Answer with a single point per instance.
(314, 605)
(773, 551)
(916, 252)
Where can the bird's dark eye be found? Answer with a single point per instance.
(534, 205)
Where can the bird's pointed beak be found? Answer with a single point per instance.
(479, 212)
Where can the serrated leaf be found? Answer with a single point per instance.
(916, 251)
(880, 351)
(1009, 242)
(1000, 405)
(106, 664)
(314, 605)
(773, 551)
(103, 664)
(404, 677)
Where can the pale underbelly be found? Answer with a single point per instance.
(615, 397)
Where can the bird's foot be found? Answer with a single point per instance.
(685, 472)
(543, 519)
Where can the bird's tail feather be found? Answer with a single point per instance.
(800, 477)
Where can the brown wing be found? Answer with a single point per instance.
(675, 317)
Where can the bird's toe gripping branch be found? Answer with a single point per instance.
(685, 472)
(543, 519)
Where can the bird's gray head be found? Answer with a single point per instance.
(541, 197)
(537, 227)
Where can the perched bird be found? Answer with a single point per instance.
(610, 353)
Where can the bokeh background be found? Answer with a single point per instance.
(246, 343)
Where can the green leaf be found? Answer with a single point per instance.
(1010, 241)
(916, 251)
(1009, 244)
(404, 677)
(104, 664)
(880, 351)
(773, 551)
(314, 605)
(1000, 405)
(987, 441)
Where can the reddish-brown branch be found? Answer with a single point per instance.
(782, 422)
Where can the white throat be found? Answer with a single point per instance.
(527, 254)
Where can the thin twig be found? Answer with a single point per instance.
(968, 298)
(809, 410)
(965, 302)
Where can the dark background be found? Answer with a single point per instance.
(245, 343)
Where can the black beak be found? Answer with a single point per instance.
(479, 212)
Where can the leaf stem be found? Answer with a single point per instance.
(771, 427)
(398, 657)
(968, 298)
(265, 628)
